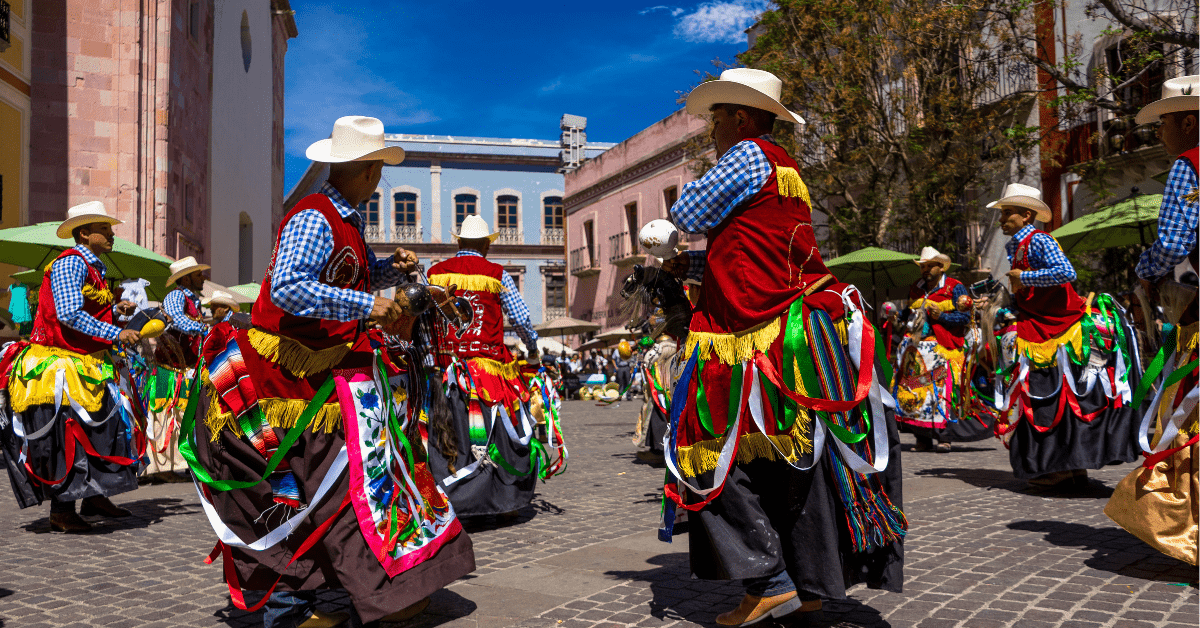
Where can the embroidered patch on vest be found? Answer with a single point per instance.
(343, 268)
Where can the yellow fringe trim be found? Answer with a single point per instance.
(945, 306)
(791, 185)
(25, 393)
(1047, 352)
(281, 413)
(295, 357)
(511, 370)
(733, 348)
(702, 456)
(475, 283)
(103, 296)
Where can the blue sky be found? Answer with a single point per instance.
(500, 69)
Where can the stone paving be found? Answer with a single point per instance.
(983, 550)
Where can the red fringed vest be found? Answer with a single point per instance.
(947, 337)
(1043, 312)
(761, 258)
(485, 337)
(49, 332)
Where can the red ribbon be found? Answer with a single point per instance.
(72, 433)
(865, 369)
(231, 579)
(1154, 459)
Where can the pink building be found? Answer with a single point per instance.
(608, 199)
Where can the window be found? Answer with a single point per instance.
(556, 290)
(406, 209)
(506, 212)
(552, 212)
(245, 249)
(631, 219)
(670, 195)
(370, 211)
(516, 279)
(188, 190)
(464, 205)
(589, 234)
(194, 19)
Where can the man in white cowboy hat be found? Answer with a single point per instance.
(310, 333)
(765, 291)
(495, 380)
(1165, 519)
(222, 305)
(1058, 430)
(68, 357)
(932, 357)
(183, 306)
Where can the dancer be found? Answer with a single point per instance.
(1066, 398)
(222, 305)
(1157, 501)
(653, 419)
(933, 385)
(792, 471)
(70, 432)
(298, 437)
(497, 462)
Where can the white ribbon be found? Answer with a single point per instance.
(1171, 429)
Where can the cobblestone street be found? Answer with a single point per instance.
(983, 550)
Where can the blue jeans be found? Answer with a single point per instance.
(768, 586)
(289, 609)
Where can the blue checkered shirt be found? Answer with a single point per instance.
(304, 248)
(1050, 265)
(706, 202)
(514, 306)
(1177, 223)
(953, 318)
(67, 277)
(174, 306)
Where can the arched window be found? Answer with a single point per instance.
(406, 209)
(552, 212)
(245, 248)
(506, 212)
(370, 211)
(464, 205)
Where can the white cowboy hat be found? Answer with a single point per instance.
(220, 297)
(475, 228)
(185, 266)
(930, 254)
(1178, 94)
(742, 86)
(84, 214)
(355, 138)
(1019, 195)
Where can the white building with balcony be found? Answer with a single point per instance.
(514, 184)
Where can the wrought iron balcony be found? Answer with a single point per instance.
(583, 263)
(510, 235)
(621, 251)
(406, 233)
(374, 233)
(552, 235)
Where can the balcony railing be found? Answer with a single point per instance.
(621, 251)
(554, 313)
(509, 235)
(4, 33)
(583, 263)
(552, 235)
(406, 233)
(374, 233)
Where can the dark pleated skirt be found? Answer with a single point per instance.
(964, 430)
(656, 429)
(489, 490)
(88, 477)
(771, 517)
(1072, 444)
(342, 559)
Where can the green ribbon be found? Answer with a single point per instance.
(797, 336)
(702, 410)
(735, 394)
(537, 452)
(106, 368)
(1170, 339)
(187, 445)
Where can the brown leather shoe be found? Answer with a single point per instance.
(408, 613)
(68, 522)
(754, 609)
(324, 620)
(100, 505)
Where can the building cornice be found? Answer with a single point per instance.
(669, 157)
(479, 158)
(496, 252)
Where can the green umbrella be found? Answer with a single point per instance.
(35, 246)
(1128, 222)
(876, 267)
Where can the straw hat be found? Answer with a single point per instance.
(355, 138)
(185, 266)
(220, 297)
(742, 86)
(930, 254)
(1178, 94)
(84, 214)
(475, 228)
(1017, 195)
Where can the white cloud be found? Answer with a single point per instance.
(674, 11)
(720, 22)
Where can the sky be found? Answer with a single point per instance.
(500, 69)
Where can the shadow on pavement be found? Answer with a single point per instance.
(484, 523)
(444, 606)
(1116, 551)
(850, 613)
(1002, 479)
(146, 512)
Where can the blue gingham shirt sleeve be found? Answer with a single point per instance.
(707, 201)
(518, 313)
(67, 277)
(954, 318)
(1177, 224)
(1050, 264)
(697, 263)
(174, 305)
(304, 248)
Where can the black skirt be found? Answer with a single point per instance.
(489, 489)
(771, 517)
(656, 429)
(1110, 438)
(85, 476)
